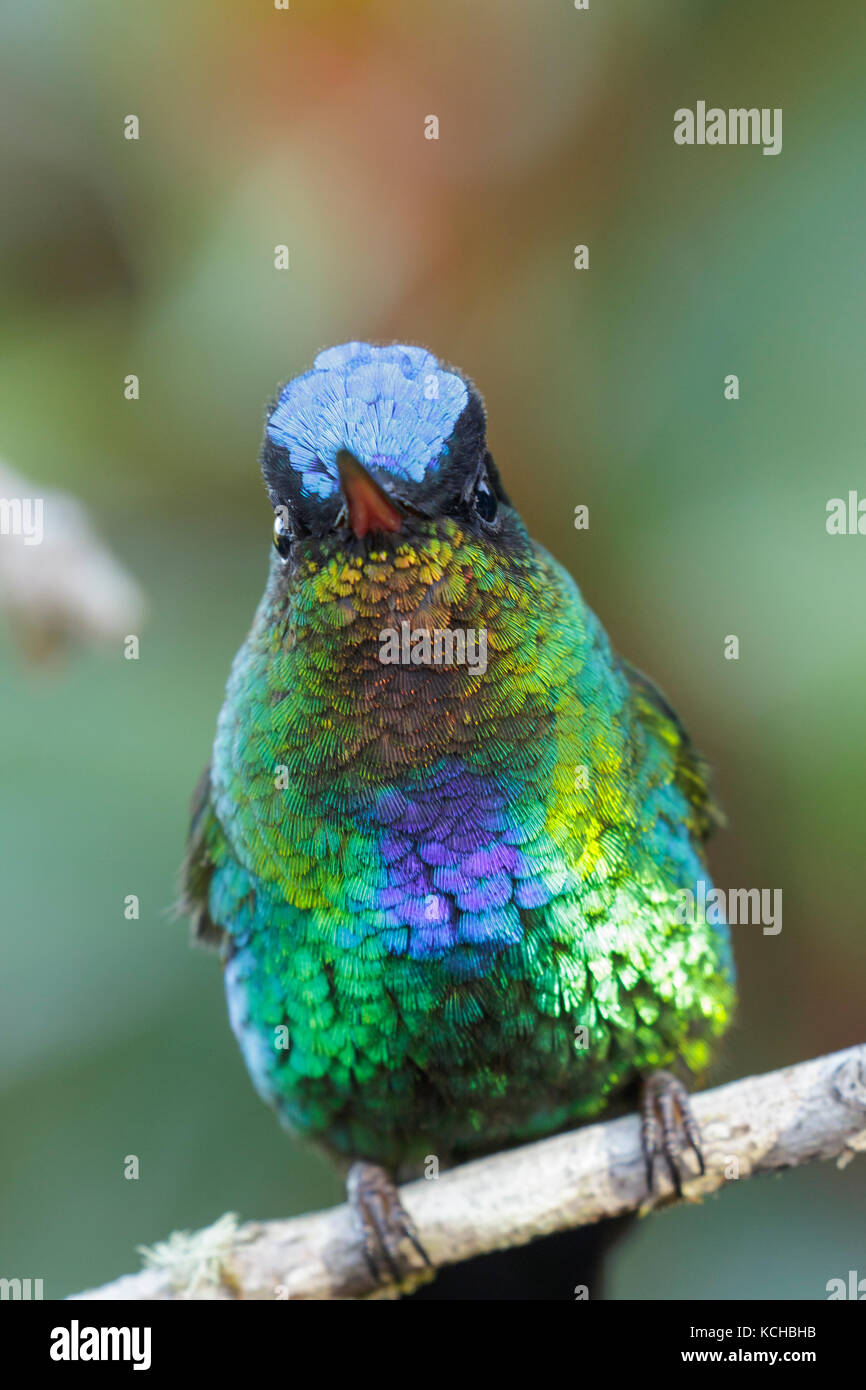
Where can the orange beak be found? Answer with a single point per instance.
(370, 507)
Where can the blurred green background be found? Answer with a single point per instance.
(603, 387)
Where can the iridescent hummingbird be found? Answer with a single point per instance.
(447, 890)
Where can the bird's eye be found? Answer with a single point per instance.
(282, 533)
(485, 500)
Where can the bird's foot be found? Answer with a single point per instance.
(668, 1126)
(383, 1221)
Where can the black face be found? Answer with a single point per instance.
(465, 487)
(482, 500)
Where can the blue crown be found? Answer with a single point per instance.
(393, 407)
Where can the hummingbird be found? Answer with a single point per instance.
(446, 834)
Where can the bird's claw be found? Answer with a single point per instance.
(668, 1126)
(383, 1221)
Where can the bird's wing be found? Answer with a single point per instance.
(205, 839)
(691, 770)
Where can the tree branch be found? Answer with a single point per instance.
(814, 1110)
(60, 585)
